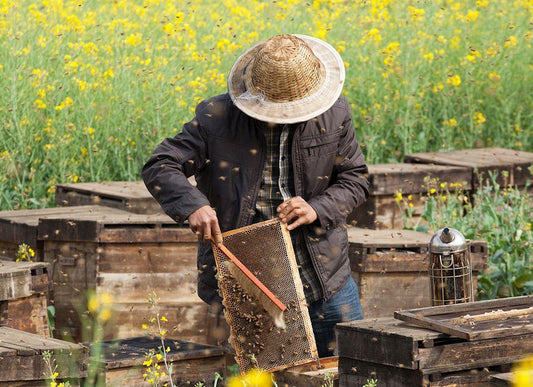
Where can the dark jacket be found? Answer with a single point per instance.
(224, 149)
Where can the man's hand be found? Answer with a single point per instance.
(296, 208)
(204, 223)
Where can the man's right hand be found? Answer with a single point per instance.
(204, 223)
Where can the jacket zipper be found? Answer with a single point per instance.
(246, 215)
(297, 188)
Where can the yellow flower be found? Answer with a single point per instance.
(454, 80)
(523, 372)
(494, 77)
(479, 118)
(253, 378)
(398, 196)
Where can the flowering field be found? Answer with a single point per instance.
(90, 87)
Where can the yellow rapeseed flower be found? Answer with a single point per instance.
(253, 378)
(454, 80)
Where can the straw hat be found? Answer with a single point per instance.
(287, 79)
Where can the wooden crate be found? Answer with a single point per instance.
(401, 355)
(128, 256)
(515, 163)
(390, 268)
(311, 374)
(382, 211)
(191, 362)
(125, 195)
(22, 362)
(24, 290)
(20, 226)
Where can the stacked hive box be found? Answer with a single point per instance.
(399, 355)
(20, 227)
(130, 196)
(391, 268)
(513, 167)
(22, 360)
(24, 288)
(128, 256)
(384, 210)
(192, 363)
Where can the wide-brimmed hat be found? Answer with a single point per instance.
(287, 79)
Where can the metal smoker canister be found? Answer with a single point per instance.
(450, 268)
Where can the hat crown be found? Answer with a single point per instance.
(285, 69)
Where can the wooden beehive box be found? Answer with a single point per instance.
(321, 373)
(516, 164)
(24, 290)
(383, 211)
(22, 362)
(390, 268)
(128, 256)
(20, 226)
(192, 363)
(125, 195)
(398, 355)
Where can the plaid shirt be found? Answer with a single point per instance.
(277, 186)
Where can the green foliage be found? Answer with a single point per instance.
(371, 383)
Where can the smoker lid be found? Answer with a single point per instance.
(447, 240)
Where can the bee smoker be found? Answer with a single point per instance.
(450, 268)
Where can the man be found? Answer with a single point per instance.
(280, 143)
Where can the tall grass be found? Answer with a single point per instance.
(88, 88)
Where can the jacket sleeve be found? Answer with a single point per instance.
(173, 161)
(349, 184)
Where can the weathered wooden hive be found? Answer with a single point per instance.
(24, 292)
(20, 226)
(192, 363)
(391, 267)
(484, 338)
(383, 211)
(130, 196)
(22, 361)
(127, 256)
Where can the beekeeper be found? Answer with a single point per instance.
(280, 143)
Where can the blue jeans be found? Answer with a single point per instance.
(343, 306)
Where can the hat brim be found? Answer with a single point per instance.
(294, 111)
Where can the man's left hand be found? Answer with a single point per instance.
(296, 209)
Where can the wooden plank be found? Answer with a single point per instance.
(475, 354)
(387, 179)
(356, 373)
(382, 341)
(387, 239)
(148, 258)
(90, 227)
(445, 318)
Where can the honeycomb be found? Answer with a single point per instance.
(266, 250)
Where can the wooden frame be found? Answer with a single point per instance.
(476, 320)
